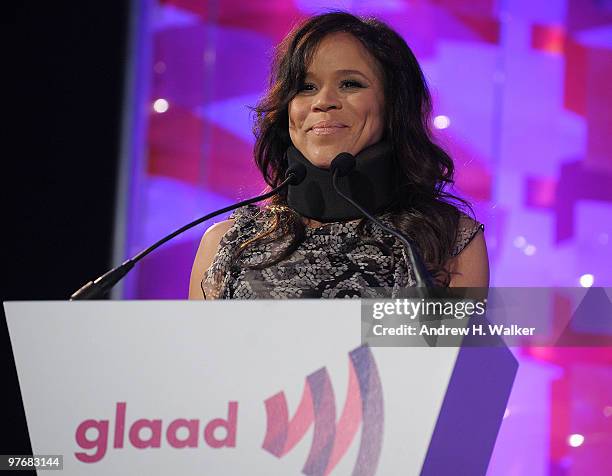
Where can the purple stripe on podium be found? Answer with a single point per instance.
(472, 412)
(372, 411)
(324, 423)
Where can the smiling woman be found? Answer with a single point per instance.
(342, 84)
(340, 106)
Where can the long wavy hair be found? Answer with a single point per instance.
(423, 210)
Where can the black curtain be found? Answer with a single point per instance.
(65, 62)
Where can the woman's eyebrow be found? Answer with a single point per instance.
(351, 71)
(340, 72)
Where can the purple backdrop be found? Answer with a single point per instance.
(522, 102)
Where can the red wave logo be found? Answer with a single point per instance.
(331, 440)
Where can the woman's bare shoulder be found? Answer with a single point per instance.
(470, 268)
(215, 232)
(209, 246)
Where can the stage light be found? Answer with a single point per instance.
(441, 122)
(160, 105)
(530, 250)
(210, 56)
(506, 413)
(499, 77)
(160, 67)
(519, 241)
(607, 411)
(575, 440)
(586, 280)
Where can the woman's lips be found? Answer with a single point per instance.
(326, 128)
(325, 131)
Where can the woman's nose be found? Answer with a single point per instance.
(325, 100)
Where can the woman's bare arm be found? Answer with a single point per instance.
(471, 266)
(205, 255)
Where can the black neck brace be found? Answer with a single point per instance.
(370, 184)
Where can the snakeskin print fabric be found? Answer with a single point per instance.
(332, 261)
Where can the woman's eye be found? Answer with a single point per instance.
(350, 83)
(306, 87)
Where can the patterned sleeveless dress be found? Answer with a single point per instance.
(332, 261)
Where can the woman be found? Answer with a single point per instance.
(343, 84)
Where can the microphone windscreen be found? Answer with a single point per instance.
(297, 172)
(343, 164)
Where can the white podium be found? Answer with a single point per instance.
(248, 388)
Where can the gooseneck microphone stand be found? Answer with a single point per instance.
(341, 166)
(99, 287)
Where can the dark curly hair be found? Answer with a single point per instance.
(423, 210)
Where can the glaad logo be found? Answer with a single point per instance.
(154, 428)
(331, 440)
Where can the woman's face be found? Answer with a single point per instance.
(340, 107)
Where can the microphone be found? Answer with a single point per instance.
(341, 166)
(97, 288)
(344, 163)
(295, 175)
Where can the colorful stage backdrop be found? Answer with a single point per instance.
(522, 102)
